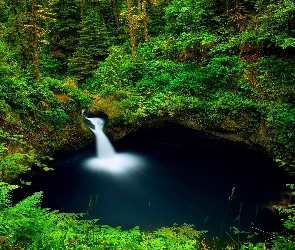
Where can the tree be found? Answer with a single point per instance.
(25, 31)
(156, 15)
(64, 30)
(15, 18)
(115, 7)
(185, 16)
(82, 11)
(131, 29)
(35, 41)
(92, 46)
(145, 19)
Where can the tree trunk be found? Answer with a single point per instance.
(145, 19)
(131, 30)
(115, 6)
(35, 41)
(138, 5)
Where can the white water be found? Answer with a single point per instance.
(104, 148)
(122, 163)
(106, 157)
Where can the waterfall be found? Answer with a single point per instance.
(106, 158)
(104, 148)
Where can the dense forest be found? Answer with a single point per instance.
(226, 66)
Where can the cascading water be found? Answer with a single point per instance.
(106, 157)
(104, 148)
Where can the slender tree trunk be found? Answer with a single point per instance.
(145, 19)
(139, 5)
(25, 8)
(35, 41)
(115, 7)
(131, 28)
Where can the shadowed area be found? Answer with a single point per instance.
(159, 177)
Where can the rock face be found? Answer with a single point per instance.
(238, 127)
(237, 130)
(38, 141)
(47, 140)
(73, 136)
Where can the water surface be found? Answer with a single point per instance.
(170, 175)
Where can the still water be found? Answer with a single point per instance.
(169, 175)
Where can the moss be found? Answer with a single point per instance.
(45, 140)
(246, 125)
(74, 135)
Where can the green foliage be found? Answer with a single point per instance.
(289, 223)
(21, 222)
(160, 104)
(282, 119)
(12, 164)
(64, 30)
(116, 72)
(156, 13)
(276, 23)
(5, 197)
(160, 47)
(273, 87)
(35, 101)
(226, 63)
(92, 46)
(32, 99)
(48, 64)
(186, 16)
(8, 63)
(28, 226)
(174, 237)
(15, 34)
(274, 79)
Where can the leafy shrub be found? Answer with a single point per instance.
(281, 119)
(12, 164)
(117, 71)
(185, 16)
(20, 223)
(28, 226)
(276, 22)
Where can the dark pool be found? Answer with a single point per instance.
(177, 176)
